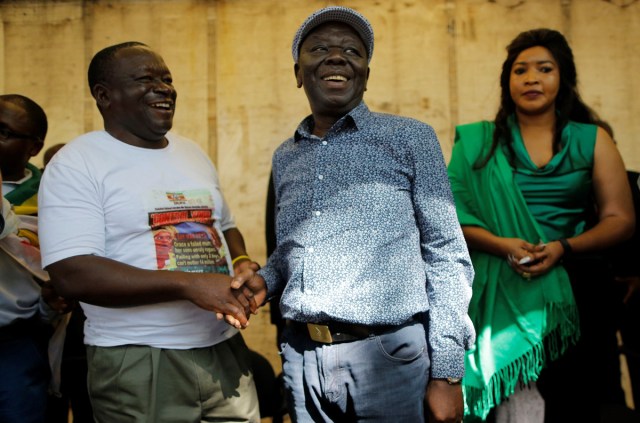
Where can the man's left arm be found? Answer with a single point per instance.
(237, 249)
(449, 278)
(241, 262)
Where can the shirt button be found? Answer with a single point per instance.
(324, 143)
(318, 213)
(321, 177)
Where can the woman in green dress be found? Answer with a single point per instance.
(525, 186)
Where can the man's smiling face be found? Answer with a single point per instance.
(138, 98)
(333, 69)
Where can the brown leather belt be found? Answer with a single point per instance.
(336, 332)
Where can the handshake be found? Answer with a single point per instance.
(242, 295)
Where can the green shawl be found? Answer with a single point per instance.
(520, 324)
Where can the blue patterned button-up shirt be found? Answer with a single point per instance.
(367, 232)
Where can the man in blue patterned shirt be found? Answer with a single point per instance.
(370, 256)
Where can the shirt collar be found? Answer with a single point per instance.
(8, 186)
(355, 118)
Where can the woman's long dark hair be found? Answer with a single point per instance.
(569, 105)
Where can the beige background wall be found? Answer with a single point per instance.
(435, 60)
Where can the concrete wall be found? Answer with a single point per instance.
(435, 60)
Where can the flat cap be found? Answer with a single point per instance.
(335, 14)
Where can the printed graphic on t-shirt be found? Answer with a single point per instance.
(185, 233)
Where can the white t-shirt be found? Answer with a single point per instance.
(152, 209)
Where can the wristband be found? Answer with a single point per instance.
(237, 259)
(566, 246)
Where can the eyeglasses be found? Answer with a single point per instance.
(6, 134)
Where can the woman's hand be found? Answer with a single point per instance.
(526, 259)
(543, 258)
(518, 251)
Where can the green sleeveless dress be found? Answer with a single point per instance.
(559, 194)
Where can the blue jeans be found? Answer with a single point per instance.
(24, 379)
(381, 378)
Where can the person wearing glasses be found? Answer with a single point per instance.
(23, 126)
(26, 304)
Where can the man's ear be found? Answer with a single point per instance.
(296, 71)
(101, 93)
(36, 147)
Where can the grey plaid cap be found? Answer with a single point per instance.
(335, 14)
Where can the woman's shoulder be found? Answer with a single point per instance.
(474, 137)
(583, 131)
(480, 125)
(582, 139)
(475, 131)
(472, 142)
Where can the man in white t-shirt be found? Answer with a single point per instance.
(28, 305)
(134, 225)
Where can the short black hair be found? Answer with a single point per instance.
(36, 114)
(100, 66)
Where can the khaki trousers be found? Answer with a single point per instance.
(134, 383)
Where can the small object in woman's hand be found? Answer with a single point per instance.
(524, 260)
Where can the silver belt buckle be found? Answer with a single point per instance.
(320, 333)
